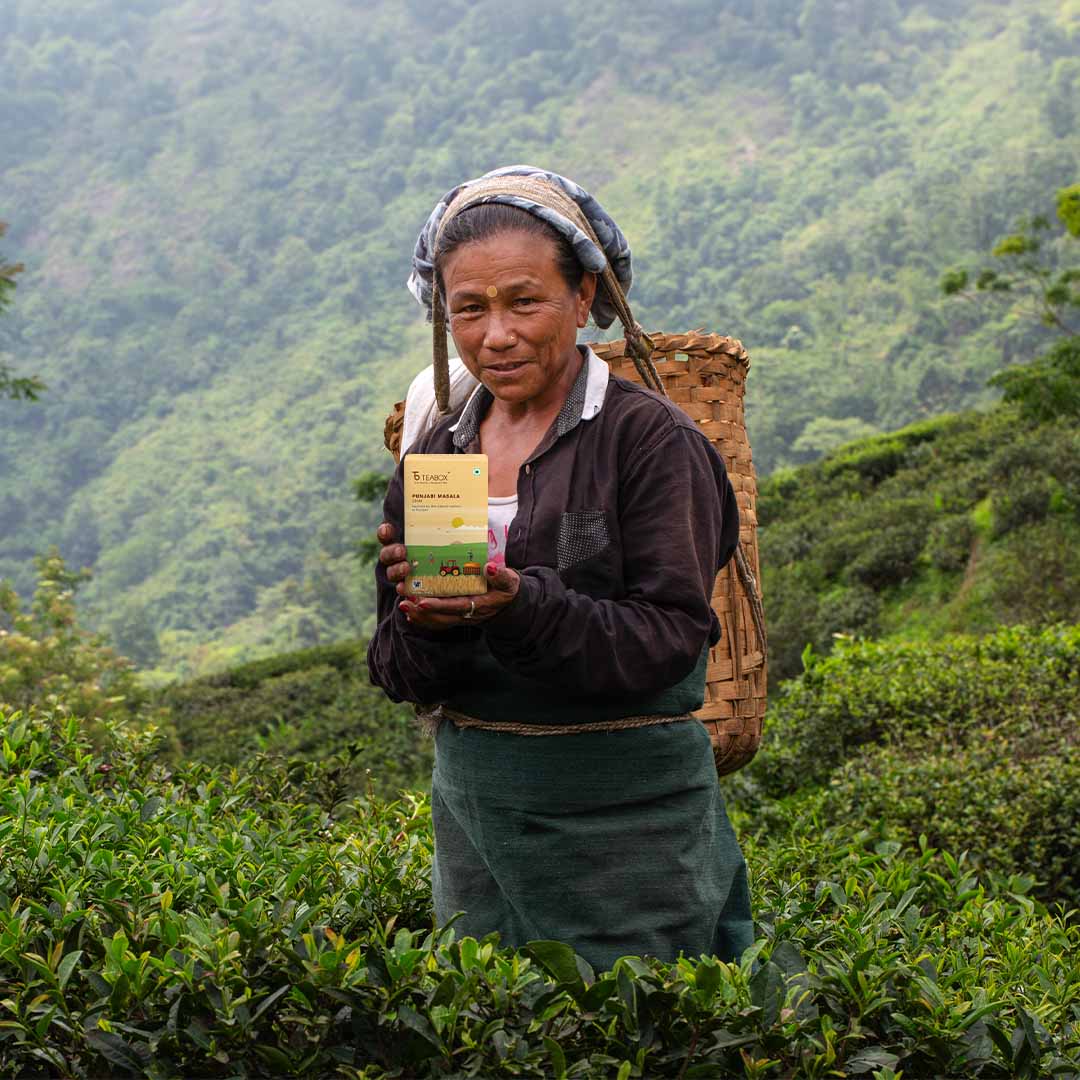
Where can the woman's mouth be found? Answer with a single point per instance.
(507, 367)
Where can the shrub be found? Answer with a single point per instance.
(853, 610)
(894, 513)
(1049, 387)
(948, 545)
(873, 692)
(880, 456)
(1032, 576)
(1016, 810)
(197, 921)
(878, 543)
(343, 656)
(774, 491)
(791, 604)
(314, 703)
(874, 459)
(46, 656)
(888, 555)
(789, 542)
(1025, 500)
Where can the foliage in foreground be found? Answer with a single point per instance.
(974, 742)
(175, 921)
(311, 704)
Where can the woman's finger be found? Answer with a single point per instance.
(385, 533)
(398, 572)
(393, 553)
(427, 620)
(458, 607)
(458, 611)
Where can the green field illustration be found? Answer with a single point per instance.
(447, 569)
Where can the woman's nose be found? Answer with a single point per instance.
(498, 333)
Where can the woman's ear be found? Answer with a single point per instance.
(585, 295)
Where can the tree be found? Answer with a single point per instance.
(12, 386)
(44, 651)
(1049, 386)
(1059, 108)
(370, 488)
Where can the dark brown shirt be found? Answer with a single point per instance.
(623, 521)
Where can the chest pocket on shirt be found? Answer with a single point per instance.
(588, 560)
(582, 534)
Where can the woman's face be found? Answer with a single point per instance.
(513, 317)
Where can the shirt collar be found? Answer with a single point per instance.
(596, 384)
(585, 400)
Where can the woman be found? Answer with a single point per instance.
(610, 515)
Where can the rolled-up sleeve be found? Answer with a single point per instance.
(679, 524)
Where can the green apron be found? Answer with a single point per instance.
(615, 842)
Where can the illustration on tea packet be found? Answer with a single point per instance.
(446, 523)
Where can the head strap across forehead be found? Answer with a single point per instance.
(538, 190)
(534, 188)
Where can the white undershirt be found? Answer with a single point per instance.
(501, 511)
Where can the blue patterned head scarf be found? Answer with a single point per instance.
(613, 247)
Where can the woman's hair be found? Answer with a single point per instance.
(485, 220)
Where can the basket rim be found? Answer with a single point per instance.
(693, 343)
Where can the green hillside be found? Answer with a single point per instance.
(958, 524)
(216, 203)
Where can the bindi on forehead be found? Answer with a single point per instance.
(469, 288)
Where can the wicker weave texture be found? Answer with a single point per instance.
(705, 375)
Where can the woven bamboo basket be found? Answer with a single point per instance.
(705, 375)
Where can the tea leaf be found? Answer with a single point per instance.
(67, 966)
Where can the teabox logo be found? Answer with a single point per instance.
(431, 477)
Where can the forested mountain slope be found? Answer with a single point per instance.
(216, 203)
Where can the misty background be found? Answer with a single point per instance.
(216, 202)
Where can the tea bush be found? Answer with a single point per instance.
(853, 609)
(879, 544)
(971, 742)
(948, 522)
(948, 546)
(951, 691)
(1033, 573)
(172, 921)
(311, 704)
(1014, 809)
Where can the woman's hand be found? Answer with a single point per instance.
(440, 613)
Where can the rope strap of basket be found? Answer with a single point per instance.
(757, 611)
(539, 190)
(431, 718)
